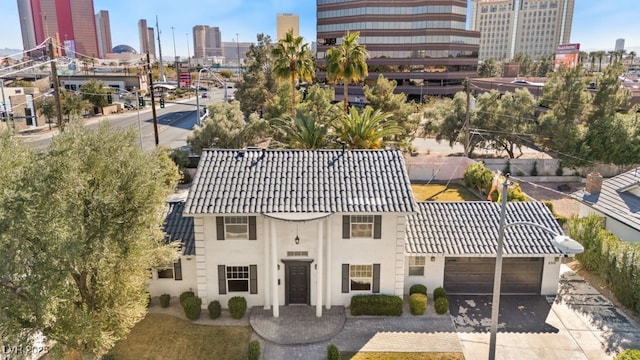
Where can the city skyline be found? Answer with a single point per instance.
(596, 25)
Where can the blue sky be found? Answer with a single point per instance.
(596, 23)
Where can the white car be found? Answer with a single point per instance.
(230, 97)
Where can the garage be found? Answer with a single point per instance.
(474, 275)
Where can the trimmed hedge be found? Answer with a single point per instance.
(332, 352)
(184, 295)
(165, 299)
(237, 307)
(629, 354)
(191, 307)
(418, 288)
(616, 261)
(417, 303)
(441, 305)
(254, 350)
(376, 304)
(439, 293)
(215, 309)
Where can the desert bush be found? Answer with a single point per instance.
(332, 352)
(441, 305)
(191, 307)
(376, 304)
(184, 295)
(418, 288)
(215, 309)
(165, 299)
(417, 303)
(237, 307)
(254, 350)
(439, 293)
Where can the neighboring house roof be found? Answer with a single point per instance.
(619, 198)
(473, 227)
(179, 228)
(257, 181)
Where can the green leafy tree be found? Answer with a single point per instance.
(561, 129)
(278, 104)
(489, 68)
(73, 106)
(600, 55)
(303, 131)
(292, 60)
(544, 65)
(95, 93)
(608, 139)
(525, 64)
(226, 128)
(81, 228)
(347, 63)
(317, 102)
(609, 97)
(47, 107)
(446, 120)
(258, 81)
(367, 130)
(381, 97)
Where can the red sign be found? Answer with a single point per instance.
(185, 79)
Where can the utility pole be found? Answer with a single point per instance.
(238, 46)
(159, 54)
(153, 102)
(467, 118)
(56, 87)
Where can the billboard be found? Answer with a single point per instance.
(567, 54)
(70, 48)
(185, 79)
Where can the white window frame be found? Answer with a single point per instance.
(362, 273)
(359, 224)
(236, 221)
(416, 265)
(237, 273)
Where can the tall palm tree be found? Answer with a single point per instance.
(347, 62)
(632, 55)
(366, 130)
(592, 56)
(302, 131)
(293, 60)
(600, 55)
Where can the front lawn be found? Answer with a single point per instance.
(160, 336)
(438, 192)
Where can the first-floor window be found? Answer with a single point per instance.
(360, 277)
(238, 278)
(416, 265)
(165, 273)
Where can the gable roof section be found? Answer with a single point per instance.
(473, 227)
(179, 228)
(618, 198)
(255, 181)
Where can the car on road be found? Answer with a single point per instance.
(230, 97)
(128, 106)
(205, 95)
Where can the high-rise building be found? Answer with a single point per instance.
(531, 27)
(207, 41)
(103, 28)
(421, 44)
(147, 38)
(619, 44)
(286, 23)
(71, 23)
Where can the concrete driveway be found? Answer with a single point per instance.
(579, 323)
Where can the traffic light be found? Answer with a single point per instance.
(140, 101)
(161, 103)
(109, 99)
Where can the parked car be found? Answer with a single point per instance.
(205, 95)
(230, 97)
(128, 106)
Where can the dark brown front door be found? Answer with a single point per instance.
(297, 280)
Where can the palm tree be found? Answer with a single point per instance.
(592, 56)
(347, 62)
(366, 130)
(600, 55)
(302, 131)
(293, 60)
(632, 55)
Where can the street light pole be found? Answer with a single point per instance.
(563, 243)
(175, 57)
(188, 52)
(238, 47)
(198, 96)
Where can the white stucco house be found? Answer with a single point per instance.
(285, 227)
(617, 200)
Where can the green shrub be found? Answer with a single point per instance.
(559, 170)
(108, 357)
(237, 307)
(185, 295)
(479, 177)
(191, 307)
(418, 288)
(629, 354)
(439, 293)
(332, 352)
(376, 304)
(165, 299)
(441, 305)
(215, 309)
(417, 303)
(254, 350)
(516, 194)
(534, 170)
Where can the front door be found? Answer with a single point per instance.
(297, 283)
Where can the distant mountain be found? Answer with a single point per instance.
(6, 52)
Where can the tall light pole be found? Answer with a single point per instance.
(188, 51)
(162, 78)
(175, 57)
(563, 243)
(198, 96)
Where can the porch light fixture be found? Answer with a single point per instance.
(297, 240)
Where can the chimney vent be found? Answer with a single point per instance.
(594, 183)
